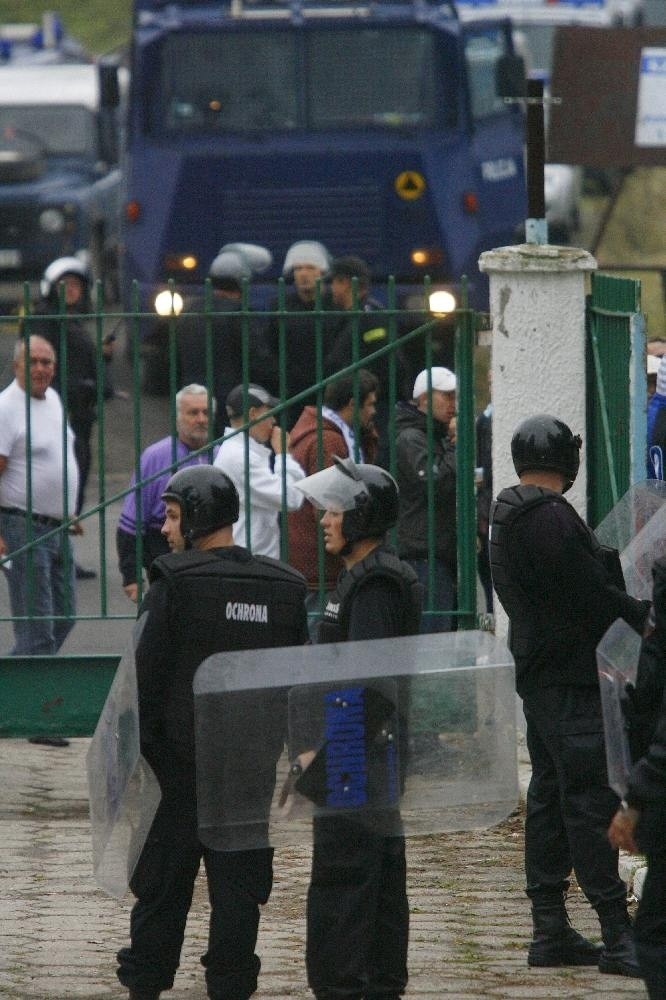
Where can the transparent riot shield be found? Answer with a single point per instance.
(413, 735)
(617, 658)
(123, 791)
(636, 526)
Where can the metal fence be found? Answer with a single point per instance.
(616, 391)
(427, 339)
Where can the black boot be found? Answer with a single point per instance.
(619, 952)
(555, 941)
(142, 995)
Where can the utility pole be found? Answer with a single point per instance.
(536, 226)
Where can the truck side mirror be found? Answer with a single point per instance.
(108, 85)
(510, 76)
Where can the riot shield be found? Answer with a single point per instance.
(123, 791)
(617, 657)
(636, 526)
(413, 735)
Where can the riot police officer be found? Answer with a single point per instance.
(357, 911)
(640, 823)
(561, 592)
(185, 622)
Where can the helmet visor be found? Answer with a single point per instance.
(332, 489)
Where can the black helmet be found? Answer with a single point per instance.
(208, 500)
(544, 442)
(366, 495)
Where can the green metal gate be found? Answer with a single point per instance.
(616, 391)
(65, 693)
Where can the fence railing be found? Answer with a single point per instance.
(616, 391)
(412, 340)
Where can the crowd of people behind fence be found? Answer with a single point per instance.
(211, 532)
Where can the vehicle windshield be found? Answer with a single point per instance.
(483, 49)
(61, 130)
(321, 80)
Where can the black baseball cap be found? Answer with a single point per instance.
(256, 396)
(350, 267)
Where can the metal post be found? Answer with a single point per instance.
(536, 227)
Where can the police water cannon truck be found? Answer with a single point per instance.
(377, 128)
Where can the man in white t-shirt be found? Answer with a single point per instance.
(269, 489)
(41, 579)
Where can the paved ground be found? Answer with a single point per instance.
(58, 933)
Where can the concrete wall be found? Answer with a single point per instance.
(537, 304)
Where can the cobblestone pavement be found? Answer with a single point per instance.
(58, 933)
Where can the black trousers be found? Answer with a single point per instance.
(650, 928)
(163, 883)
(357, 913)
(569, 802)
(82, 429)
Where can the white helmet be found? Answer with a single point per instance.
(259, 258)
(57, 270)
(230, 265)
(307, 252)
(239, 261)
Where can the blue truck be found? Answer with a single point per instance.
(379, 129)
(60, 191)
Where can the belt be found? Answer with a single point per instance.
(47, 522)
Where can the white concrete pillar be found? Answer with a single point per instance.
(537, 306)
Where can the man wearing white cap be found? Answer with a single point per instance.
(306, 262)
(434, 392)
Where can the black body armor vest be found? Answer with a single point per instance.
(219, 600)
(381, 563)
(528, 614)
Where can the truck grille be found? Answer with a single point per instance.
(346, 219)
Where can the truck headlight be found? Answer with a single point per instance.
(52, 220)
(168, 303)
(441, 302)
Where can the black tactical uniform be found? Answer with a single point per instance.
(556, 584)
(191, 615)
(358, 916)
(647, 793)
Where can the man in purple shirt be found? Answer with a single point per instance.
(192, 434)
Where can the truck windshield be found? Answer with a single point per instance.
(65, 130)
(483, 49)
(322, 80)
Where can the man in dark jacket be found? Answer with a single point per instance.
(305, 263)
(190, 616)
(561, 592)
(640, 823)
(340, 419)
(222, 334)
(434, 396)
(80, 371)
(358, 914)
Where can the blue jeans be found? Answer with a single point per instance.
(52, 591)
(443, 596)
